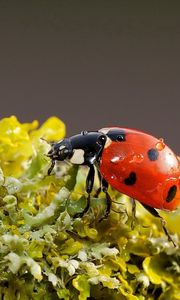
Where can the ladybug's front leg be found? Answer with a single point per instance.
(96, 195)
(89, 187)
(108, 200)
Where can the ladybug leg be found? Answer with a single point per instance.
(133, 213)
(154, 212)
(100, 187)
(108, 200)
(51, 167)
(96, 195)
(89, 187)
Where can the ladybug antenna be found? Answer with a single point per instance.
(50, 143)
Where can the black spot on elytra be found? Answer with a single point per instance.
(117, 135)
(171, 193)
(121, 138)
(131, 179)
(153, 154)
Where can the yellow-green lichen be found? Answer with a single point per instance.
(46, 253)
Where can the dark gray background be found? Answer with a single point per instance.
(93, 64)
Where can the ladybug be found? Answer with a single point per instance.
(131, 161)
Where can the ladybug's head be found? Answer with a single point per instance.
(80, 149)
(60, 150)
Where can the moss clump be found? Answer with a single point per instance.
(47, 254)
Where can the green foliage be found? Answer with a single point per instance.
(47, 254)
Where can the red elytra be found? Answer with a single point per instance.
(142, 167)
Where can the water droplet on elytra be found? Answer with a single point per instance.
(138, 158)
(115, 160)
(113, 177)
(160, 145)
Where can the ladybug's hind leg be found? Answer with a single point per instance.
(133, 213)
(154, 212)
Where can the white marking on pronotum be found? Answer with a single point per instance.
(104, 130)
(108, 141)
(78, 157)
